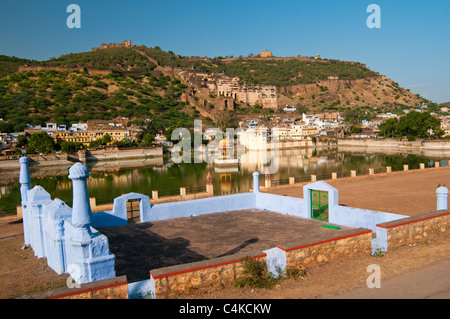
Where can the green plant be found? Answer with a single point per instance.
(295, 272)
(255, 274)
(379, 252)
(41, 142)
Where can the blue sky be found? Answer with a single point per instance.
(412, 46)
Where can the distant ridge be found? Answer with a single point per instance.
(136, 81)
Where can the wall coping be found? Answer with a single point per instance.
(413, 219)
(84, 288)
(204, 264)
(342, 234)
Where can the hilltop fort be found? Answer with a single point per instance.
(124, 44)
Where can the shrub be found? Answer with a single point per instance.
(295, 272)
(255, 275)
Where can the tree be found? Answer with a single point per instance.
(228, 120)
(389, 128)
(414, 124)
(71, 147)
(148, 126)
(104, 140)
(353, 117)
(6, 127)
(41, 142)
(148, 138)
(22, 140)
(266, 119)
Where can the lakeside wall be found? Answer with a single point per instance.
(114, 153)
(390, 143)
(92, 155)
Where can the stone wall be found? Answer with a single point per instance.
(26, 68)
(114, 153)
(114, 288)
(41, 160)
(202, 275)
(417, 228)
(171, 281)
(337, 246)
(395, 143)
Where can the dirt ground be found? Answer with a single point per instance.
(329, 280)
(21, 272)
(409, 193)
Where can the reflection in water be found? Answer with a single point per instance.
(167, 177)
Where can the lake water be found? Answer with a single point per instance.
(112, 179)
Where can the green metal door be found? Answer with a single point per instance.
(133, 206)
(319, 205)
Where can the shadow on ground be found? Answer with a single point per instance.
(138, 250)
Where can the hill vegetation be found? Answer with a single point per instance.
(71, 97)
(10, 64)
(412, 125)
(140, 87)
(117, 59)
(287, 72)
(446, 104)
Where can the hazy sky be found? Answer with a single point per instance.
(412, 46)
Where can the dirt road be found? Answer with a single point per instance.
(431, 282)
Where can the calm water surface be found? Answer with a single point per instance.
(110, 180)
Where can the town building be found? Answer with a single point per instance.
(90, 135)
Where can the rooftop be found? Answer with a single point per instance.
(142, 247)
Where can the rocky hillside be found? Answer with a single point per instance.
(141, 82)
(375, 94)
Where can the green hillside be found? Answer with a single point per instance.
(10, 64)
(286, 72)
(70, 97)
(137, 87)
(446, 104)
(117, 59)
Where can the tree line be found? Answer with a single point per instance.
(412, 125)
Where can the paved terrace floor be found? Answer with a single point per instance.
(141, 247)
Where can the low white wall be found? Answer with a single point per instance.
(357, 217)
(200, 206)
(281, 204)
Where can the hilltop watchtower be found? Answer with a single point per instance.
(265, 54)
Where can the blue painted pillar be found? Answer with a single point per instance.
(255, 182)
(81, 208)
(24, 179)
(87, 251)
(442, 195)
